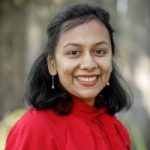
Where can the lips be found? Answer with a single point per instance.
(87, 80)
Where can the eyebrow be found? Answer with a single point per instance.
(101, 43)
(77, 44)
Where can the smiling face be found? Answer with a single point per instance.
(83, 60)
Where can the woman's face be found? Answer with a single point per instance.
(83, 60)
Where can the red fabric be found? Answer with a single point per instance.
(84, 128)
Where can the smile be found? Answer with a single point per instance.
(87, 79)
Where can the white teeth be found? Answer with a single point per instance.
(87, 79)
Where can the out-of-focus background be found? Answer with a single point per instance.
(23, 26)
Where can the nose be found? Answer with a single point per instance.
(88, 62)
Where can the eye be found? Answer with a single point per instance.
(99, 52)
(73, 53)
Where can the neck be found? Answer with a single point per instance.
(88, 101)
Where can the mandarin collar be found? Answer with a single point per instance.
(83, 109)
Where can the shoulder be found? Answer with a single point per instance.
(34, 119)
(122, 131)
(39, 122)
(119, 124)
(33, 127)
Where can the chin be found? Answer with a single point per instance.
(89, 94)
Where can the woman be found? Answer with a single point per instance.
(73, 88)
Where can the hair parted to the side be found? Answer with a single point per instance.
(38, 88)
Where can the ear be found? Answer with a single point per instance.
(51, 63)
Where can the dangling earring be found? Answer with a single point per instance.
(108, 83)
(53, 86)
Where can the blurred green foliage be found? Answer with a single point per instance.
(135, 134)
(7, 123)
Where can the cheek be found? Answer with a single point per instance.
(65, 71)
(109, 69)
(110, 66)
(65, 66)
(106, 65)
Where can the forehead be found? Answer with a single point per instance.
(78, 21)
(87, 32)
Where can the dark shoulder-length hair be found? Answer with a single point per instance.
(38, 91)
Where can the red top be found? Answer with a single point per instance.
(85, 128)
